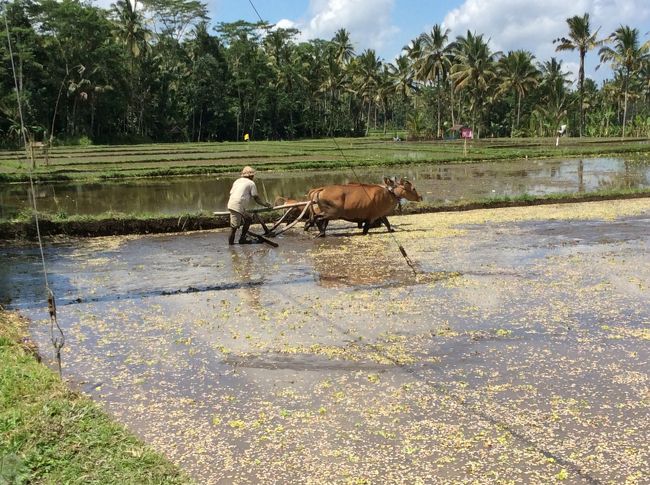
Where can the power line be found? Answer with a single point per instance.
(58, 340)
(399, 246)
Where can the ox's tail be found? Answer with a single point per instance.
(314, 210)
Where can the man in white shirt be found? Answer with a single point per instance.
(242, 191)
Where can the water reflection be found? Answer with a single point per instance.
(246, 268)
(436, 182)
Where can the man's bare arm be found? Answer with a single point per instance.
(261, 202)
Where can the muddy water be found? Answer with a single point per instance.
(437, 183)
(518, 350)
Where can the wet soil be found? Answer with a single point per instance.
(517, 353)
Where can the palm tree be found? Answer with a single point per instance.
(402, 83)
(626, 57)
(411, 53)
(344, 51)
(384, 91)
(311, 73)
(368, 67)
(518, 75)
(554, 88)
(279, 49)
(580, 38)
(553, 77)
(644, 75)
(474, 71)
(434, 60)
(130, 27)
(402, 77)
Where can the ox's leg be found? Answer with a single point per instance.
(387, 224)
(311, 218)
(312, 221)
(322, 225)
(366, 226)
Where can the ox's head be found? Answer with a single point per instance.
(403, 189)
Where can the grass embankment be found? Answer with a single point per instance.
(50, 434)
(111, 224)
(165, 160)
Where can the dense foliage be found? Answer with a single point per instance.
(156, 71)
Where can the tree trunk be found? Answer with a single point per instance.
(368, 120)
(581, 81)
(453, 119)
(200, 123)
(518, 108)
(438, 128)
(624, 111)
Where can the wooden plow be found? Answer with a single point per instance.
(274, 230)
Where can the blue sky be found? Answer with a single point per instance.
(388, 25)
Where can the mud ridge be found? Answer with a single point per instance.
(125, 225)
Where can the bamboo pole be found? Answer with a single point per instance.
(280, 207)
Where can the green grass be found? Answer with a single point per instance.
(50, 434)
(529, 199)
(163, 160)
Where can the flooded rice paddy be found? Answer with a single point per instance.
(518, 353)
(438, 183)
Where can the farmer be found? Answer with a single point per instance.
(242, 191)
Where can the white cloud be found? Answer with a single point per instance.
(532, 25)
(286, 24)
(103, 3)
(368, 21)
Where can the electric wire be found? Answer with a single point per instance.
(392, 234)
(58, 340)
(402, 251)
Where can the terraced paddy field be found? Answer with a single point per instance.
(516, 353)
(107, 162)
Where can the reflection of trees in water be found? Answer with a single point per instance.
(581, 176)
(189, 194)
(634, 175)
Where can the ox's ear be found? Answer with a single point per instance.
(401, 180)
(389, 182)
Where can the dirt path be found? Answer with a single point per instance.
(518, 354)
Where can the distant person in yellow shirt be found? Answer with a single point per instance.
(242, 191)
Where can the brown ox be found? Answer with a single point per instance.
(360, 203)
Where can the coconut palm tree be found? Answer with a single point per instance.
(366, 79)
(554, 87)
(401, 82)
(553, 78)
(581, 39)
(474, 71)
(130, 27)
(626, 58)
(402, 77)
(518, 75)
(644, 75)
(344, 51)
(434, 61)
